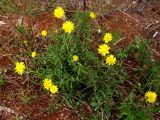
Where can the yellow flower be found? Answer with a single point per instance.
(75, 58)
(20, 67)
(92, 15)
(150, 96)
(107, 37)
(68, 26)
(110, 60)
(47, 83)
(44, 33)
(59, 12)
(103, 49)
(53, 89)
(25, 42)
(33, 54)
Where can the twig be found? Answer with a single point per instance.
(156, 52)
(9, 110)
(129, 16)
(120, 40)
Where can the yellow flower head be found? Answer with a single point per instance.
(53, 89)
(33, 54)
(110, 60)
(20, 67)
(44, 33)
(92, 15)
(150, 96)
(107, 37)
(75, 58)
(68, 26)
(103, 49)
(47, 83)
(59, 12)
(25, 42)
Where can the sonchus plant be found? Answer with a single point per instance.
(72, 69)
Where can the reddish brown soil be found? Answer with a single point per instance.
(4, 61)
(36, 108)
(123, 22)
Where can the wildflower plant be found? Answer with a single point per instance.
(79, 73)
(71, 68)
(75, 69)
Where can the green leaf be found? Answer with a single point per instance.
(1, 81)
